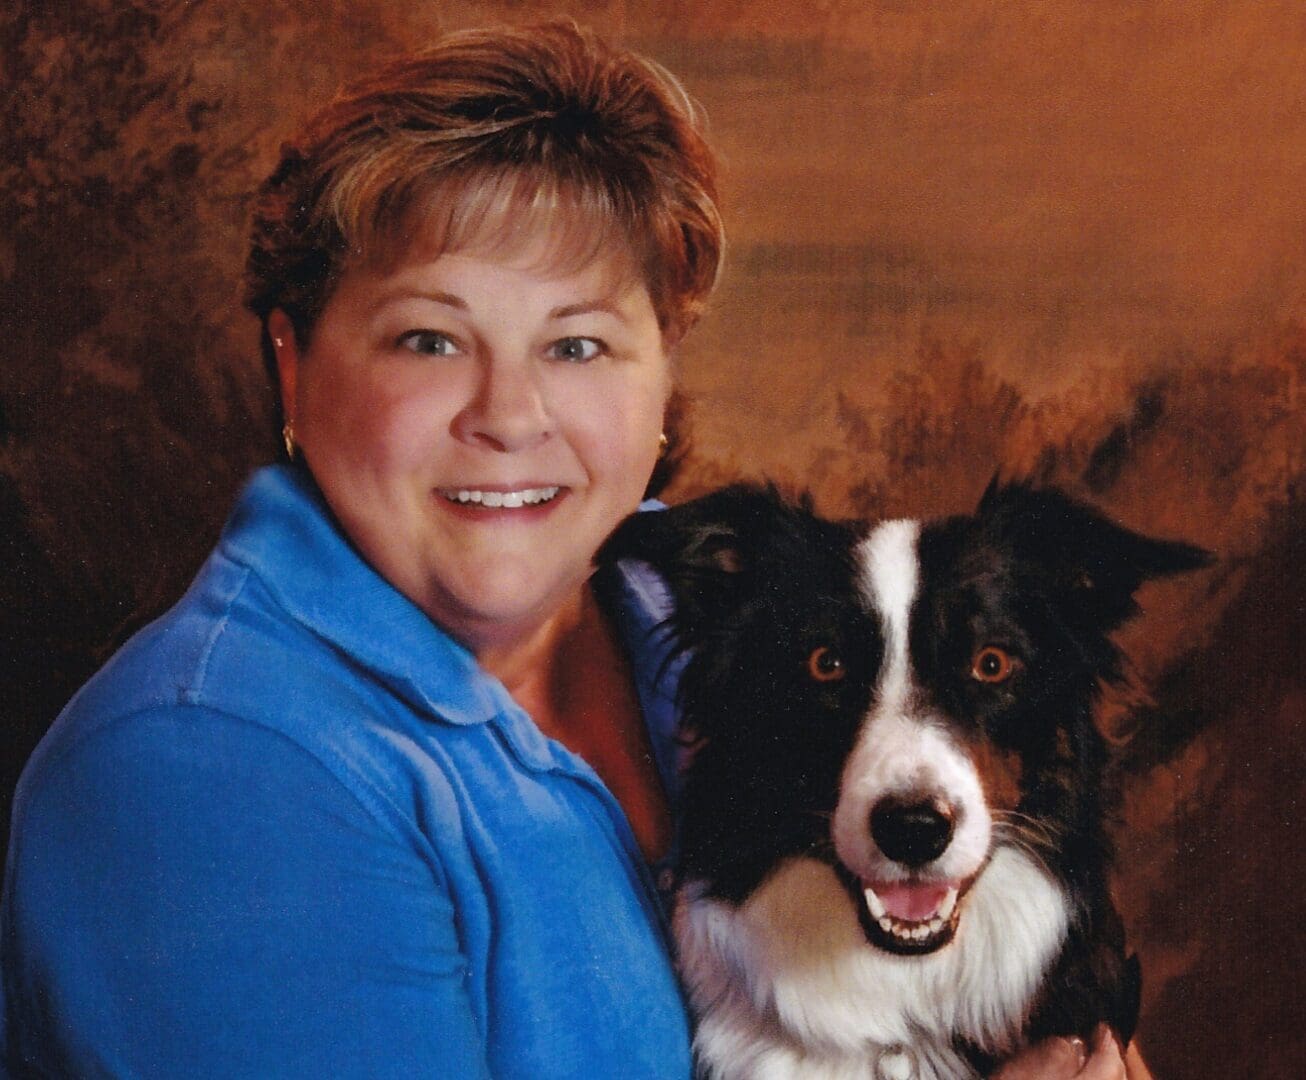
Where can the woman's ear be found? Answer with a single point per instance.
(285, 347)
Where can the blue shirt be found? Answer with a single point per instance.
(292, 829)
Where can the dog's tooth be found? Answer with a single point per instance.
(949, 902)
(874, 904)
(936, 925)
(886, 924)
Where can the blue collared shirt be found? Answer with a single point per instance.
(292, 829)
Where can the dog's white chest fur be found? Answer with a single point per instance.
(786, 985)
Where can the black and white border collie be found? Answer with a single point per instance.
(894, 853)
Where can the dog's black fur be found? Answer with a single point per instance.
(785, 674)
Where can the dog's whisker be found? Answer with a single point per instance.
(1032, 834)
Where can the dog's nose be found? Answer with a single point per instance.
(912, 833)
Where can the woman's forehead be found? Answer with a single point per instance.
(545, 265)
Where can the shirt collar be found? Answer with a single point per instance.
(640, 603)
(283, 530)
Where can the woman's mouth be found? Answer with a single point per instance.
(499, 499)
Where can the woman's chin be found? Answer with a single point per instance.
(504, 606)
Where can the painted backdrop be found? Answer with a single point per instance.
(1058, 238)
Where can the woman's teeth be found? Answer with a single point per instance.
(509, 500)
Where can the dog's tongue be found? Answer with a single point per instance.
(911, 903)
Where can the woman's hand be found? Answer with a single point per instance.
(1054, 1059)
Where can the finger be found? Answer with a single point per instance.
(1135, 1067)
(1106, 1061)
(1051, 1059)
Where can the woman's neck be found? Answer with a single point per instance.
(572, 676)
(530, 664)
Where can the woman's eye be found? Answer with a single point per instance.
(428, 343)
(826, 665)
(992, 665)
(575, 350)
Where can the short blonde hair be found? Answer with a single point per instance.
(487, 133)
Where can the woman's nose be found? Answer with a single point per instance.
(507, 412)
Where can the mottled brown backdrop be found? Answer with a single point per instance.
(1064, 238)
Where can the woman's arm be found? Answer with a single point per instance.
(194, 895)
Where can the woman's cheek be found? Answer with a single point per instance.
(402, 429)
(625, 428)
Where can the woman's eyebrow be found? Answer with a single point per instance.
(436, 295)
(603, 304)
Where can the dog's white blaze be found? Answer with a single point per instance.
(900, 750)
(889, 581)
(787, 986)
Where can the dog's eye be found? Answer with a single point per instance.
(992, 665)
(825, 665)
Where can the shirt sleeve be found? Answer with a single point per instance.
(193, 895)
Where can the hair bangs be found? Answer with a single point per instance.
(563, 224)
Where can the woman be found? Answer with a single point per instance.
(387, 792)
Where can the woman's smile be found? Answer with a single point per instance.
(524, 504)
(496, 498)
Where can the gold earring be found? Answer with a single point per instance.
(288, 437)
(663, 443)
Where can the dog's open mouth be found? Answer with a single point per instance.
(908, 917)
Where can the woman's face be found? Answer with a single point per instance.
(479, 423)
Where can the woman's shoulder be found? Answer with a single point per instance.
(223, 648)
(228, 686)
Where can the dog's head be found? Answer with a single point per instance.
(898, 700)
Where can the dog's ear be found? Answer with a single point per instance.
(1098, 562)
(707, 550)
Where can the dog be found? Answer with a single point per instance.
(894, 846)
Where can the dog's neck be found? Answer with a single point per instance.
(787, 981)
